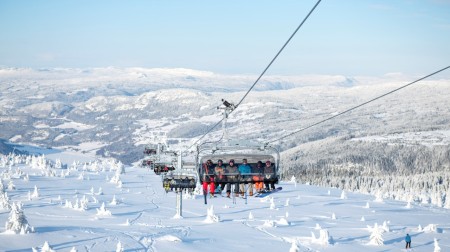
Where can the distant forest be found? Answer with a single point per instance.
(411, 172)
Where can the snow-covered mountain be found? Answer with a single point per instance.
(115, 109)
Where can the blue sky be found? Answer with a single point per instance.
(349, 37)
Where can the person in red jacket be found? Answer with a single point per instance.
(208, 178)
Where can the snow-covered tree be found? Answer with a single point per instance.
(68, 204)
(58, 164)
(100, 191)
(35, 193)
(83, 205)
(120, 168)
(324, 238)
(294, 247)
(119, 247)
(103, 211)
(210, 216)
(385, 227)
(116, 179)
(447, 199)
(4, 201)
(47, 248)
(408, 205)
(114, 201)
(379, 196)
(436, 246)
(376, 237)
(17, 222)
(272, 203)
(430, 228)
(11, 185)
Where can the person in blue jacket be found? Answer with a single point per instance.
(408, 241)
(245, 169)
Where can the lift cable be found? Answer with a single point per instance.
(263, 72)
(279, 52)
(355, 107)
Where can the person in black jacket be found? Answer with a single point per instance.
(232, 176)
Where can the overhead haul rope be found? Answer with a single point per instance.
(355, 107)
(263, 72)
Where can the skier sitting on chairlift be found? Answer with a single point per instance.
(232, 174)
(269, 172)
(208, 178)
(219, 171)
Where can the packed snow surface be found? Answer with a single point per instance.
(96, 207)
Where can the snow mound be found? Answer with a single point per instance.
(283, 222)
(169, 238)
(324, 237)
(269, 223)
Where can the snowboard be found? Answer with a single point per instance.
(264, 194)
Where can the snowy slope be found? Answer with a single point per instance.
(141, 218)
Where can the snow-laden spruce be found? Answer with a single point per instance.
(17, 222)
(376, 235)
(272, 203)
(102, 211)
(323, 239)
(294, 247)
(119, 247)
(210, 216)
(437, 248)
(47, 248)
(430, 228)
(287, 202)
(35, 193)
(4, 201)
(250, 216)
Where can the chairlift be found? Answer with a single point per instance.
(159, 159)
(237, 151)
